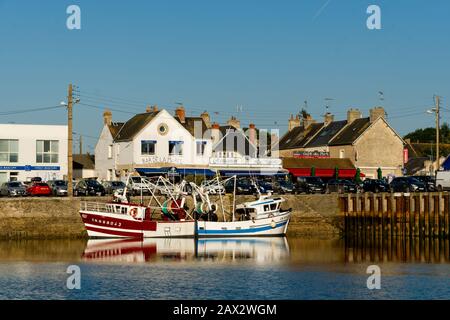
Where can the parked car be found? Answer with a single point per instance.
(243, 186)
(59, 187)
(13, 189)
(211, 185)
(407, 184)
(112, 187)
(284, 186)
(376, 185)
(429, 181)
(342, 185)
(137, 186)
(88, 187)
(443, 180)
(310, 185)
(39, 189)
(265, 186)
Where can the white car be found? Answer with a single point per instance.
(443, 180)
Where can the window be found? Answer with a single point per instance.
(47, 151)
(13, 176)
(273, 206)
(175, 148)
(110, 151)
(9, 151)
(342, 154)
(201, 145)
(148, 148)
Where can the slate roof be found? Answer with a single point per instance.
(114, 128)
(189, 124)
(134, 126)
(415, 164)
(297, 137)
(324, 136)
(83, 161)
(350, 133)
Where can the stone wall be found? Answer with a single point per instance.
(58, 218)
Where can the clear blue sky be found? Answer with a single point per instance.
(268, 56)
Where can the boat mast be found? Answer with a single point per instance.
(220, 196)
(234, 198)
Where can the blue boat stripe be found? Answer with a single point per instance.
(252, 230)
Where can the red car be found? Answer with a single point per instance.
(39, 189)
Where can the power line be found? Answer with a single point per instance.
(14, 112)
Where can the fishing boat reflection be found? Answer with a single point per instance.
(256, 250)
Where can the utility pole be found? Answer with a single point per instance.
(69, 142)
(437, 101)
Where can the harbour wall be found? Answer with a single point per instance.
(58, 218)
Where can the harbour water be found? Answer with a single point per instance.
(257, 268)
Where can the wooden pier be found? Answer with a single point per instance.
(414, 215)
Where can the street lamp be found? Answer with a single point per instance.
(435, 110)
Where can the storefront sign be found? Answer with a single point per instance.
(312, 155)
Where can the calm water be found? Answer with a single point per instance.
(225, 269)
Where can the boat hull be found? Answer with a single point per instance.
(111, 225)
(274, 226)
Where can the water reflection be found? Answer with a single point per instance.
(256, 250)
(375, 248)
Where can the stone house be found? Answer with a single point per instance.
(370, 142)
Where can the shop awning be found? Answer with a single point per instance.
(178, 171)
(324, 173)
(324, 168)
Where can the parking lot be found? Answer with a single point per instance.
(244, 186)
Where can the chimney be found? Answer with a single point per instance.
(181, 114)
(107, 117)
(252, 133)
(151, 109)
(328, 118)
(234, 122)
(294, 122)
(206, 119)
(307, 121)
(352, 115)
(215, 132)
(377, 112)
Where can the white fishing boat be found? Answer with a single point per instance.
(171, 218)
(263, 217)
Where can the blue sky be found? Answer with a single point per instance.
(268, 56)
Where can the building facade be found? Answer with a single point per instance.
(157, 142)
(370, 143)
(28, 151)
(152, 142)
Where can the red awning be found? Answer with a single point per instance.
(324, 173)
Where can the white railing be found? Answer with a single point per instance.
(248, 162)
(95, 206)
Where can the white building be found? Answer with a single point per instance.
(28, 151)
(156, 142)
(152, 143)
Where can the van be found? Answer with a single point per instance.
(443, 180)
